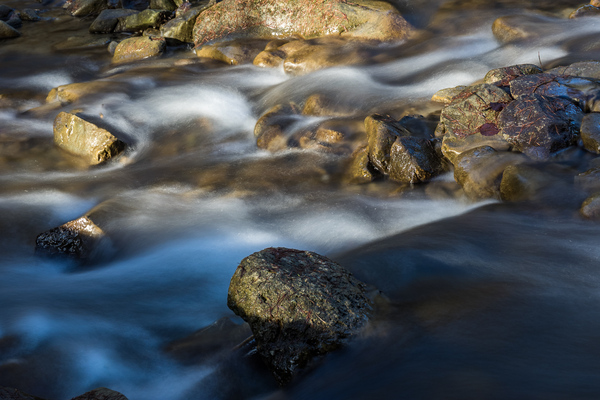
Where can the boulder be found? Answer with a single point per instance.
(101, 394)
(84, 139)
(585, 69)
(180, 28)
(585, 11)
(366, 19)
(298, 304)
(76, 239)
(446, 95)
(138, 48)
(15, 394)
(523, 182)
(574, 88)
(413, 160)
(107, 21)
(7, 31)
(382, 132)
(503, 76)
(143, 20)
(590, 132)
(479, 171)
(168, 5)
(539, 125)
(591, 207)
(82, 8)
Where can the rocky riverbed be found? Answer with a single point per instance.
(401, 199)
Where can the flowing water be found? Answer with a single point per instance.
(486, 301)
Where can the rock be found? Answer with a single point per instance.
(453, 146)
(75, 91)
(82, 43)
(82, 8)
(479, 171)
(101, 394)
(585, 11)
(507, 74)
(413, 160)
(180, 28)
(76, 239)
(269, 59)
(585, 69)
(138, 48)
(589, 181)
(361, 170)
(298, 304)
(364, 19)
(84, 139)
(142, 20)
(5, 12)
(595, 3)
(523, 182)
(446, 95)
(138, 5)
(269, 130)
(231, 53)
(321, 105)
(382, 132)
(518, 27)
(576, 89)
(539, 125)
(107, 21)
(7, 31)
(29, 14)
(168, 5)
(591, 207)
(15, 21)
(590, 132)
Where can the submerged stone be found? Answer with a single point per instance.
(591, 207)
(75, 239)
(231, 53)
(74, 91)
(84, 139)
(298, 304)
(269, 130)
(511, 28)
(107, 21)
(231, 19)
(539, 125)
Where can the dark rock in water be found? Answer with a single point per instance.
(84, 139)
(5, 12)
(538, 125)
(269, 130)
(590, 132)
(585, 11)
(413, 160)
(7, 31)
(101, 394)
(15, 394)
(506, 74)
(138, 48)
(108, 20)
(29, 14)
(479, 171)
(299, 305)
(523, 182)
(382, 132)
(589, 180)
(15, 20)
(232, 19)
(585, 69)
(591, 207)
(138, 5)
(163, 5)
(576, 89)
(82, 8)
(75, 239)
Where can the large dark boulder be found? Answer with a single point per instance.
(365, 19)
(539, 125)
(101, 394)
(298, 304)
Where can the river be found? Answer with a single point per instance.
(486, 300)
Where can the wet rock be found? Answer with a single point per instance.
(538, 125)
(29, 14)
(585, 69)
(269, 59)
(143, 20)
(138, 48)
(231, 53)
(589, 180)
(269, 130)
(168, 5)
(590, 132)
(321, 105)
(101, 394)
(382, 132)
(298, 304)
(84, 139)
(576, 89)
(507, 74)
(107, 21)
(231, 19)
(76, 239)
(15, 394)
(445, 96)
(524, 182)
(180, 28)
(360, 169)
(595, 3)
(221, 336)
(518, 27)
(591, 207)
(7, 31)
(479, 171)
(139, 5)
(75, 91)
(5, 12)
(585, 11)
(413, 160)
(82, 8)
(82, 43)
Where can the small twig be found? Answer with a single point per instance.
(244, 342)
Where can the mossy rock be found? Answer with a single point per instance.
(139, 48)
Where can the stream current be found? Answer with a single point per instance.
(486, 300)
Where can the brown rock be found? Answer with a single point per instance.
(75, 91)
(591, 207)
(590, 132)
(138, 48)
(413, 160)
(585, 11)
(233, 53)
(75, 239)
